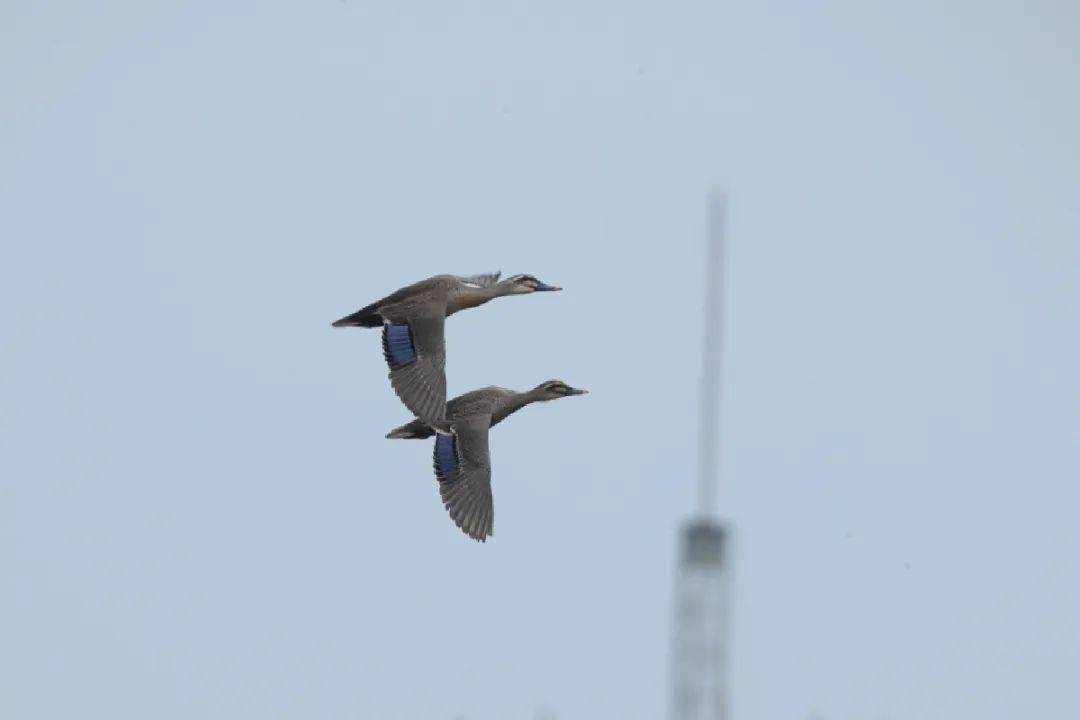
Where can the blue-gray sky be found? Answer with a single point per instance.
(200, 516)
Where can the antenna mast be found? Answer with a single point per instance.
(712, 356)
(699, 673)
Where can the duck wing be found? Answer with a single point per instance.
(463, 468)
(415, 351)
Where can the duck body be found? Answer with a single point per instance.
(496, 402)
(461, 458)
(412, 320)
(446, 293)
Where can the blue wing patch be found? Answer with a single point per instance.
(445, 457)
(397, 345)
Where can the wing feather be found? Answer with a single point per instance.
(483, 279)
(464, 475)
(416, 355)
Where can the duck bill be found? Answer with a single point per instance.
(544, 287)
(577, 391)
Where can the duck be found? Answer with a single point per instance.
(412, 321)
(461, 458)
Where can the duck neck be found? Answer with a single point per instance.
(530, 396)
(515, 402)
(494, 290)
(469, 296)
(501, 288)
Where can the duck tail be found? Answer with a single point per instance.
(416, 430)
(365, 317)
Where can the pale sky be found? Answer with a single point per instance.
(200, 516)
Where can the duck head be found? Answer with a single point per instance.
(553, 389)
(525, 284)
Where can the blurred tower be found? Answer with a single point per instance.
(703, 581)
